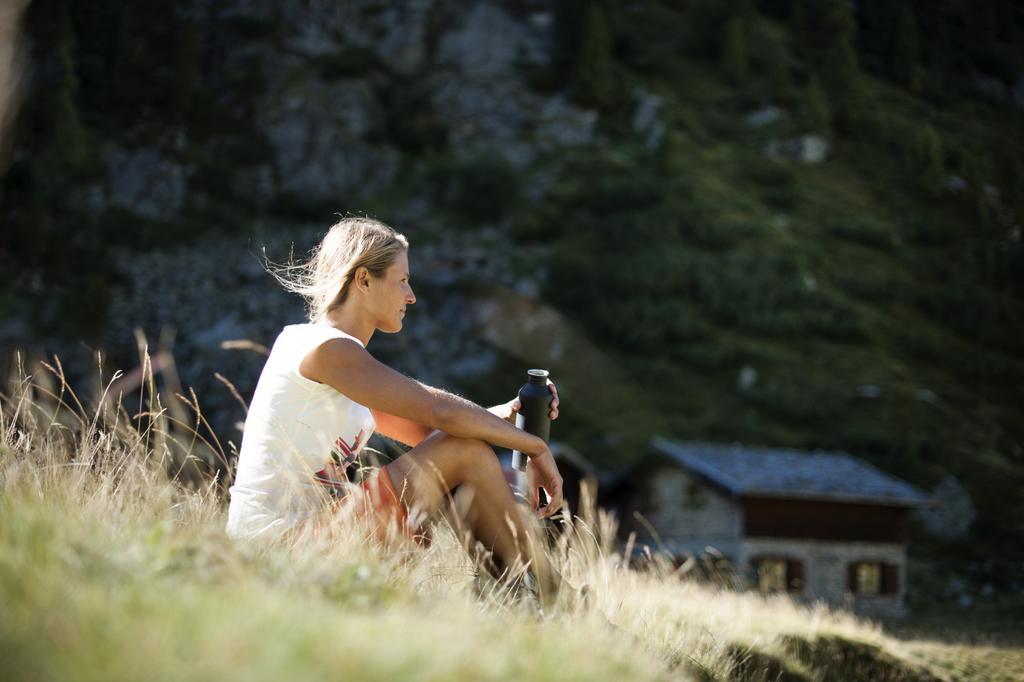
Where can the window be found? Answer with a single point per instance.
(771, 575)
(869, 579)
(774, 574)
(873, 578)
(694, 498)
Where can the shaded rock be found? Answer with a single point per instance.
(991, 87)
(225, 329)
(254, 182)
(925, 395)
(764, 116)
(486, 114)
(809, 149)
(869, 391)
(490, 43)
(542, 20)
(525, 286)
(561, 124)
(144, 182)
(954, 183)
(94, 198)
(951, 512)
(647, 117)
(313, 39)
(504, 115)
(470, 365)
(14, 331)
(747, 378)
(401, 44)
(483, 96)
(316, 136)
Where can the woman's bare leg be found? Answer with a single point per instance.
(425, 475)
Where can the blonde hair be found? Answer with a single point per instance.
(324, 278)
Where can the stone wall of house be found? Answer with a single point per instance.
(825, 570)
(689, 515)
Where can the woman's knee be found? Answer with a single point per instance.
(447, 460)
(476, 456)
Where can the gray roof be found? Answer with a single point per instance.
(791, 474)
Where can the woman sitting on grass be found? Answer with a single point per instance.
(321, 395)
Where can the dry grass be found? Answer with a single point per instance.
(114, 565)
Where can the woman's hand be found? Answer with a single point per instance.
(541, 472)
(510, 409)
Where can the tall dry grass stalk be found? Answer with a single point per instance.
(113, 515)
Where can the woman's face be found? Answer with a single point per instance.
(391, 294)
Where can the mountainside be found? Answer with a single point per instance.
(782, 222)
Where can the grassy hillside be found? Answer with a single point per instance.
(111, 569)
(877, 296)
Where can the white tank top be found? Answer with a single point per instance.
(295, 427)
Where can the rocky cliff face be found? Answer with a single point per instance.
(342, 106)
(346, 98)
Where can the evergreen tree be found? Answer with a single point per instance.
(777, 68)
(906, 63)
(187, 74)
(839, 69)
(930, 158)
(567, 36)
(668, 156)
(595, 75)
(825, 32)
(69, 136)
(876, 35)
(1011, 176)
(815, 112)
(982, 202)
(65, 142)
(980, 19)
(734, 50)
(801, 26)
(984, 209)
(735, 44)
(145, 60)
(839, 61)
(705, 22)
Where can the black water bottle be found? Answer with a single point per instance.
(534, 415)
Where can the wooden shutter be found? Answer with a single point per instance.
(851, 577)
(890, 578)
(794, 575)
(755, 572)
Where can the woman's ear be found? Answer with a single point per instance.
(362, 278)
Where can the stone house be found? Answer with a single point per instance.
(819, 525)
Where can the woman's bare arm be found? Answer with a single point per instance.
(348, 368)
(403, 430)
(412, 433)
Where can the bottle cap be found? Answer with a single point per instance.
(541, 373)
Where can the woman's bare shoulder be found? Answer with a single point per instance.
(344, 365)
(333, 353)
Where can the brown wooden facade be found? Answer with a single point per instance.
(812, 520)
